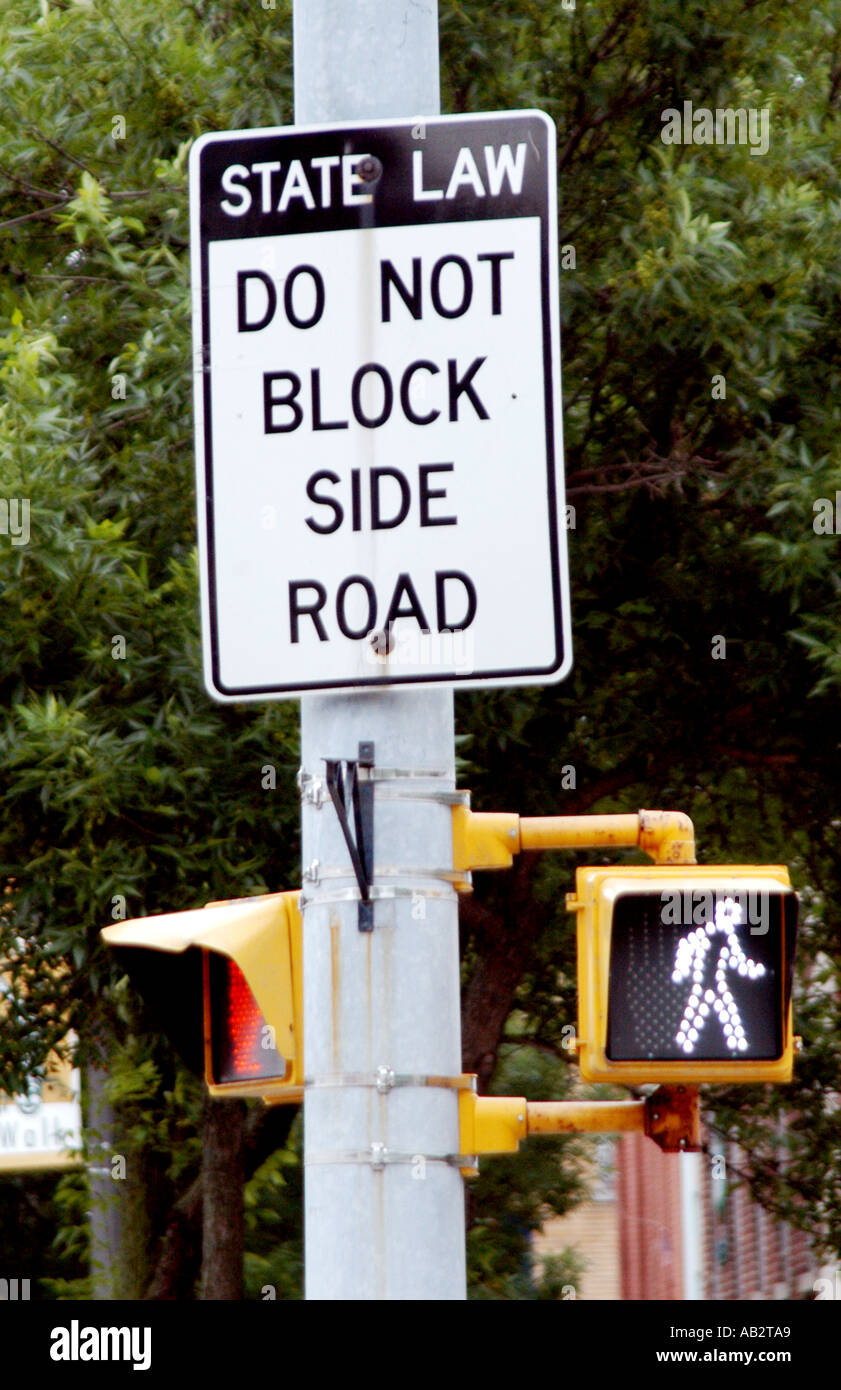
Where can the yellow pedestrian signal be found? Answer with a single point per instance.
(685, 973)
(230, 997)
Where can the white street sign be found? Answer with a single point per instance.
(43, 1129)
(377, 396)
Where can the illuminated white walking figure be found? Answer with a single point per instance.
(691, 960)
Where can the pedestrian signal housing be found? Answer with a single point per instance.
(685, 973)
(225, 984)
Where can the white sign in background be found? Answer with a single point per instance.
(40, 1133)
(479, 483)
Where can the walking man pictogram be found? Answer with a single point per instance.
(692, 958)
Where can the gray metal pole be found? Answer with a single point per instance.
(106, 1208)
(362, 59)
(384, 1209)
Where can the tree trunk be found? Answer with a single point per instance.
(506, 946)
(223, 1213)
(180, 1259)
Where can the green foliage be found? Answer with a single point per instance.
(124, 791)
(515, 1194)
(274, 1263)
(71, 1240)
(694, 513)
(45, 1234)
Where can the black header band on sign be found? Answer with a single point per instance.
(391, 190)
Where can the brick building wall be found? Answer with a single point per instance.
(748, 1253)
(648, 1195)
(631, 1234)
(745, 1253)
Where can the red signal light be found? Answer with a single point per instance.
(226, 983)
(242, 1045)
(243, 1024)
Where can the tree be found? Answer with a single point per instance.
(700, 353)
(126, 790)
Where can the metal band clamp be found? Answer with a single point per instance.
(384, 1079)
(378, 1156)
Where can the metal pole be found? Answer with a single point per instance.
(384, 1208)
(106, 1211)
(368, 59)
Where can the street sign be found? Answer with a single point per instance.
(43, 1129)
(377, 398)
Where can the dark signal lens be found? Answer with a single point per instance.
(243, 1045)
(699, 976)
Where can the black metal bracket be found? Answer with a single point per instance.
(348, 791)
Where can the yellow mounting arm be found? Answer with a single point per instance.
(490, 840)
(497, 1124)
